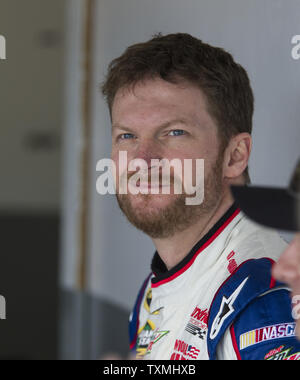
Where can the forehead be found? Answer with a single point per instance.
(156, 101)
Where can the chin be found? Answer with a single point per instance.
(152, 201)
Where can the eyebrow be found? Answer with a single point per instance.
(164, 125)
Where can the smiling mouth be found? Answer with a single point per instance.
(149, 185)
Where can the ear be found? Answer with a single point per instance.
(237, 155)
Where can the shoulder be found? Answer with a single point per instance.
(250, 240)
(249, 294)
(265, 330)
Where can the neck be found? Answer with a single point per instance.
(172, 250)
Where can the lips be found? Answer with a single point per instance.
(152, 185)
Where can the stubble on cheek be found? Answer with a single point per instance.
(160, 216)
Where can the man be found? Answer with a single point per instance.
(280, 209)
(210, 294)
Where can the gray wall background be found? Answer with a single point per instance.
(258, 33)
(31, 105)
(31, 113)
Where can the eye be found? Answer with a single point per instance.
(125, 136)
(177, 132)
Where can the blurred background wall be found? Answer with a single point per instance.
(71, 265)
(31, 83)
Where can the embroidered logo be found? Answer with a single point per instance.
(184, 351)
(282, 330)
(232, 265)
(148, 332)
(157, 335)
(226, 309)
(197, 324)
(280, 353)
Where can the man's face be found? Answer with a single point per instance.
(161, 120)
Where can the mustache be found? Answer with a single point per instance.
(156, 177)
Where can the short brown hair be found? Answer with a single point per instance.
(180, 56)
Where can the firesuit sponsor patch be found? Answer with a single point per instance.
(157, 335)
(282, 353)
(184, 351)
(282, 330)
(148, 334)
(197, 324)
(226, 309)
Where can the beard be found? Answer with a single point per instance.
(165, 221)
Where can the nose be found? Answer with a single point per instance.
(148, 150)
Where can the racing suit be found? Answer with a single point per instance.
(219, 302)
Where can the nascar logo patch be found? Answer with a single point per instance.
(283, 330)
